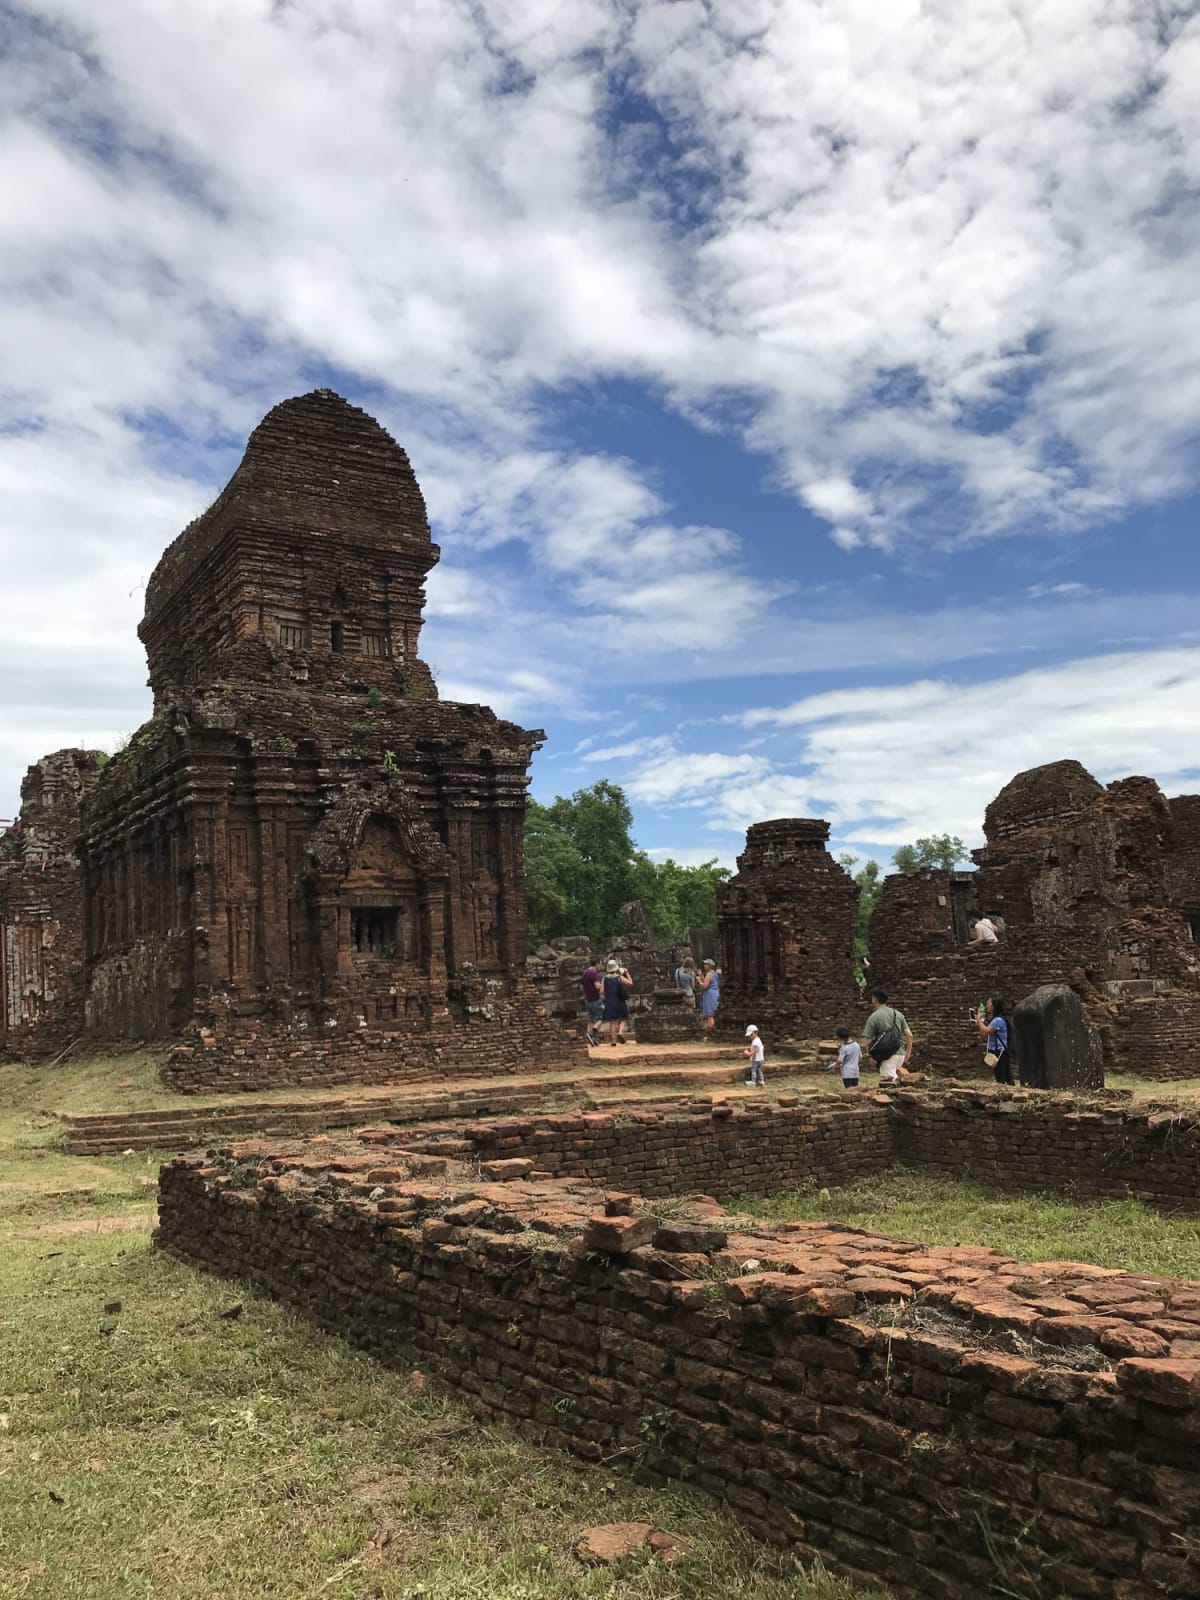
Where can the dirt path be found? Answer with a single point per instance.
(134, 1219)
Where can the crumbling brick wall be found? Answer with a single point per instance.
(1155, 1036)
(1087, 882)
(1184, 865)
(785, 924)
(722, 1150)
(856, 1397)
(1031, 1141)
(41, 910)
(305, 845)
(1013, 1138)
(555, 971)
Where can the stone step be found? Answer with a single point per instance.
(159, 1129)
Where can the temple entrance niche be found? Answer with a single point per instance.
(378, 877)
(382, 900)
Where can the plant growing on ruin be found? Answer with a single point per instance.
(655, 1425)
(374, 699)
(389, 762)
(869, 879)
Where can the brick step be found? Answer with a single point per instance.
(112, 1133)
(154, 1131)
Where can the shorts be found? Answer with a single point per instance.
(849, 1083)
(595, 1010)
(889, 1069)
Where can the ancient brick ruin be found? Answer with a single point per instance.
(942, 1419)
(785, 924)
(41, 910)
(657, 1015)
(1096, 888)
(305, 861)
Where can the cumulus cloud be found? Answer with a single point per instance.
(888, 764)
(935, 264)
(946, 245)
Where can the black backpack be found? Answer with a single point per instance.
(887, 1044)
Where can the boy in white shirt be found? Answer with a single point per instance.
(757, 1054)
(848, 1057)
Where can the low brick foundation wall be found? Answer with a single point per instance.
(1013, 1139)
(942, 1420)
(721, 1150)
(260, 1058)
(182, 1128)
(1033, 1140)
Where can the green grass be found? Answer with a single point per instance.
(1152, 1089)
(163, 1450)
(32, 1096)
(934, 1208)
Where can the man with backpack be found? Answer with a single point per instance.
(887, 1038)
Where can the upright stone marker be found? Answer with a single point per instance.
(1053, 1043)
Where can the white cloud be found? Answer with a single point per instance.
(1045, 591)
(945, 251)
(694, 778)
(695, 856)
(940, 259)
(888, 764)
(651, 744)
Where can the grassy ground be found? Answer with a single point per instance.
(31, 1095)
(938, 1209)
(1149, 1089)
(161, 1449)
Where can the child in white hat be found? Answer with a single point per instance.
(757, 1054)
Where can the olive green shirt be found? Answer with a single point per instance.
(883, 1018)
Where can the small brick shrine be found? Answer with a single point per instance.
(305, 858)
(785, 925)
(41, 911)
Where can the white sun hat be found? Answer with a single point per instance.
(751, 1029)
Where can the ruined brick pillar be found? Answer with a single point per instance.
(785, 925)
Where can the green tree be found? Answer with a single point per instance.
(678, 898)
(870, 885)
(944, 850)
(554, 872)
(582, 866)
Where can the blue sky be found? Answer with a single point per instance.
(806, 395)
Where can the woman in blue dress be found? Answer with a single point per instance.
(993, 1026)
(617, 985)
(710, 994)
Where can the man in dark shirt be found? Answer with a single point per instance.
(593, 999)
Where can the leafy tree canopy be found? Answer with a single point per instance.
(943, 850)
(582, 866)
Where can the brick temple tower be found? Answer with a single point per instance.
(305, 864)
(785, 923)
